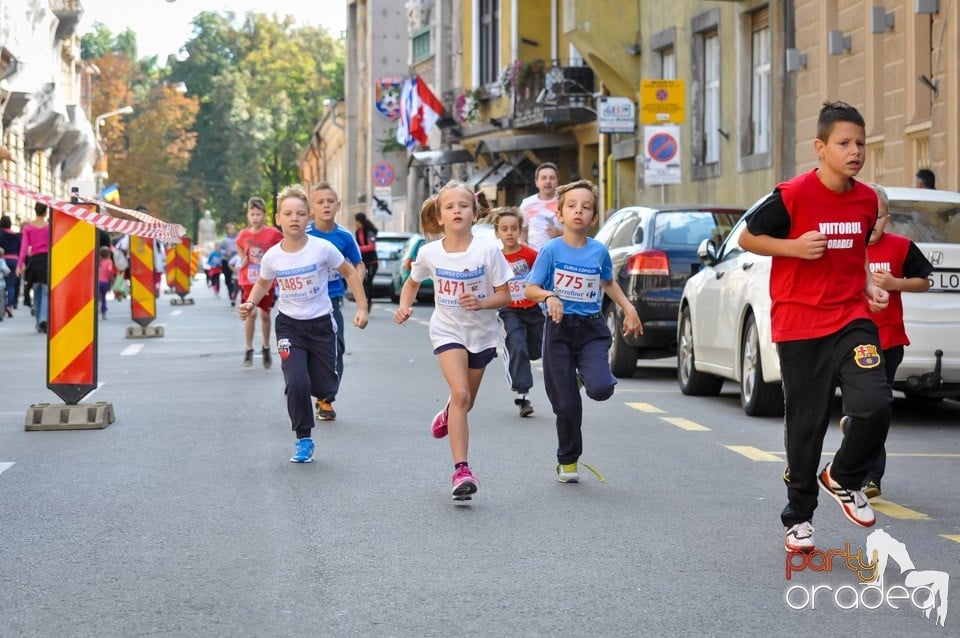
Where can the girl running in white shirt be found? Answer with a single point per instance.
(470, 282)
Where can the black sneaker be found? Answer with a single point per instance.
(872, 489)
(267, 361)
(526, 409)
(248, 358)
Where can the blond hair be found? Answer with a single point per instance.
(882, 200)
(430, 211)
(323, 186)
(296, 191)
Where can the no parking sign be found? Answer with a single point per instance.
(661, 155)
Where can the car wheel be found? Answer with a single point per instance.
(692, 382)
(623, 358)
(756, 397)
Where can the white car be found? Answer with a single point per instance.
(723, 329)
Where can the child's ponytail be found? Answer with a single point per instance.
(430, 218)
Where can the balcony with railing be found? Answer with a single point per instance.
(553, 95)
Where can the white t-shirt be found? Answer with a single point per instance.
(478, 270)
(537, 215)
(302, 277)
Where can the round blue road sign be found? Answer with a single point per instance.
(662, 147)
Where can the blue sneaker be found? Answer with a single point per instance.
(304, 451)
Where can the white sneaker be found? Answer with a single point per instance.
(799, 538)
(853, 503)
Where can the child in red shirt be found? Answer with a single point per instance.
(897, 265)
(522, 320)
(816, 227)
(252, 243)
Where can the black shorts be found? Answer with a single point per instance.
(475, 360)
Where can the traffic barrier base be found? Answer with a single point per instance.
(82, 416)
(144, 332)
(181, 301)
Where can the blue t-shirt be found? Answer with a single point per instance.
(573, 274)
(344, 241)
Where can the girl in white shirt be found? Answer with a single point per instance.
(306, 332)
(470, 282)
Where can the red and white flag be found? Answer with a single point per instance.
(419, 111)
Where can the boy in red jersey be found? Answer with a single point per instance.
(522, 320)
(252, 243)
(816, 227)
(896, 265)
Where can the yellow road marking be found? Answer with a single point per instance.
(754, 454)
(952, 537)
(685, 424)
(921, 455)
(897, 511)
(645, 407)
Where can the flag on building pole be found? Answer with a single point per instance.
(110, 194)
(419, 111)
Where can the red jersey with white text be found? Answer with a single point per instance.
(521, 262)
(252, 246)
(890, 254)
(816, 297)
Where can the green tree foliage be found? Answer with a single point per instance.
(258, 84)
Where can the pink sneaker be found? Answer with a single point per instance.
(464, 484)
(439, 425)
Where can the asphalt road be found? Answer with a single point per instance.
(185, 518)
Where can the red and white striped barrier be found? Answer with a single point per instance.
(147, 226)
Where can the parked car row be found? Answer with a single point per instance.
(724, 314)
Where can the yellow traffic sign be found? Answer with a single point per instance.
(662, 102)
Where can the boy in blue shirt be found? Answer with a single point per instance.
(325, 204)
(570, 276)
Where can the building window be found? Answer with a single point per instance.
(760, 83)
(664, 58)
(705, 101)
(711, 98)
(420, 42)
(489, 29)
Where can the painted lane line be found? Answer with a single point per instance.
(645, 407)
(5, 466)
(754, 454)
(685, 424)
(919, 455)
(131, 350)
(176, 313)
(897, 511)
(952, 537)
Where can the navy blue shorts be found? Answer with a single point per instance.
(475, 360)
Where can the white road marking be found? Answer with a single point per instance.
(131, 350)
(176, 313)
(5, 466)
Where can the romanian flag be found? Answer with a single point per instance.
(110, 194)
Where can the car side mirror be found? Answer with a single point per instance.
(707, 252)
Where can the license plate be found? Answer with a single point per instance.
(945, 280)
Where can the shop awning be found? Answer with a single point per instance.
(520, 143)
(481, 174)
(442, 158)
(497, 175)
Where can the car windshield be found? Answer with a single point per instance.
(679, 228)
(926, 222)
(390, 247)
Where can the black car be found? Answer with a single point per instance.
(654, 251)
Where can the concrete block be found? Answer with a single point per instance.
(83, 416)
(178, 301)
(140, 332)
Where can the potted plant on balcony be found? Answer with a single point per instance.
(468, 107)
(510, 77)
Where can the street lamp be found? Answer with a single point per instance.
(101, 174)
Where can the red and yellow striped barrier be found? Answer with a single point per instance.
(178, 267)
(72, 325)
(143, 302)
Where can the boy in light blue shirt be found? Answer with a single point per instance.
(325, 204)
(570, 276)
